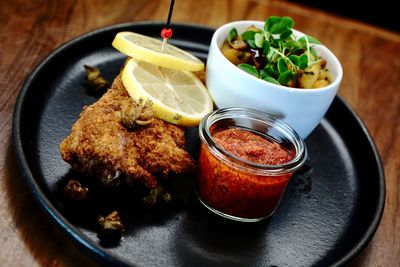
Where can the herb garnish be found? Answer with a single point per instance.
(277, 56)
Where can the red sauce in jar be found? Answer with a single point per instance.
(238, 191)
(252, 147)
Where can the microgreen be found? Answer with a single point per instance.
(271, 80)
(232, 35)
(286, 77)
(294, 59)
(249, 69)
(248, 35)
(252, 43)
(266, 48)
(282, 66)
(311, 39)
(259, 40)
(303, 61)
(285, 55)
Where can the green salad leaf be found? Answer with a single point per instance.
(311, 40)
(232, 35)
(249, 69)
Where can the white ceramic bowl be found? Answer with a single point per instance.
(229, 86)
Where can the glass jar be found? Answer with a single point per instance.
(240, 189)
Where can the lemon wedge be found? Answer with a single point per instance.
(178, 96)
(150, 50)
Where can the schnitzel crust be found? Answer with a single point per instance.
(101, 146)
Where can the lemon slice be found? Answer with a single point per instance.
(148, 49)
(178, 96)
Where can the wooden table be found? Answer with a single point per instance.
(29, 30)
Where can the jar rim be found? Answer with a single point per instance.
(261, 117)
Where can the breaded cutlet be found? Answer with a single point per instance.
(101, 146)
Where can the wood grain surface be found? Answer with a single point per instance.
(30, 30)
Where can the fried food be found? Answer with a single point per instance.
(95, 80)
(101, 146)
(111, 226)
(157, 195)
(75, 191)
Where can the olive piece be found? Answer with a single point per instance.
(258, 58)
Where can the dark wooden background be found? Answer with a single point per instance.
(29, 30)
(381, 13)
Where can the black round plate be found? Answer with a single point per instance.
(328, 214)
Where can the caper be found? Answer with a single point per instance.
(138, 113)
(95, 80)
(129, 115)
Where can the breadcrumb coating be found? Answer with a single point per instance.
(101, 146)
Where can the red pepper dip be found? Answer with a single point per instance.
(252, 147)
(235, 189)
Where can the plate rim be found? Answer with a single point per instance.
(100, 254)
(371, 230)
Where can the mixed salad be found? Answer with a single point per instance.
(275, 55)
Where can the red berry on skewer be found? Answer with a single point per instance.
(166, 33)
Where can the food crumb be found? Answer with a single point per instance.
(111, 225)
(95, 81)
(157, 195)
(75, 191)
